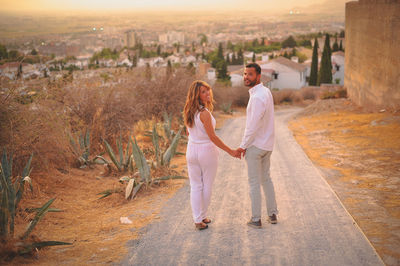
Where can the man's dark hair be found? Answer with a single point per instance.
(255, 66)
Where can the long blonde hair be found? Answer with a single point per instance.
(193, 103)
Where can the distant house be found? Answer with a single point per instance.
(338, 67)
(189, 59)
(9, 70)
(174, 59)
(157, 62)
(285, 73)
(124, 62)
(236, 74)
(211, 75)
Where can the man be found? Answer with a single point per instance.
(257, 145)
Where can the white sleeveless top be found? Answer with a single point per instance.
(197, 133)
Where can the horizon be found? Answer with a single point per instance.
(141, 6)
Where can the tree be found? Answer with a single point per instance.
(262, 41)
(234, 60)
(328, 45)
(240, 58)
(220, 53)
(230, 46)
(335, 46)
(314, 65)
(13, 54)
(253, 59)
(341, 46)
(341, 34)
(191, 69)
(19, 73)
(147, 72)
(294, 52)
(158, 50)
(255, 42)
(203, 39)
(169, 69)
(193, 47)
(222, 71)
(134, 61)
(34, 52)
(325, 73)
(3, 52)
(289, 42)
(285, 54)
(227, 59)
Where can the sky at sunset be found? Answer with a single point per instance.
(104, 5)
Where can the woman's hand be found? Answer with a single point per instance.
(234, 153)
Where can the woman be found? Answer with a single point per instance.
(202, 152)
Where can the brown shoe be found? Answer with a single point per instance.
(201, 226)
(206, 221)
(254, 224)
(273, 219)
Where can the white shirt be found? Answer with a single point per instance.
(197, 133)
(259, 119)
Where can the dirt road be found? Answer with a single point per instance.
(313, 226)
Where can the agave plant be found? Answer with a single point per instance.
(82, 151)
(164, 158)
(11, 194)
(124, 163)
(140, 161)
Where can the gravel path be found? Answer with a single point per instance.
(313, 226)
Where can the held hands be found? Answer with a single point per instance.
(237, 153)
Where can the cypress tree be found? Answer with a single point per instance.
(340, 46)
(234, 60)
(240, 57)
(169, 69)
(255, 42)
(220, 53)
(325, 73)
(227, 59)
(254, 57)
(335, 46)
(328, 45)
(285, 55)
(314, 65)
(222, 71)
(147, 72)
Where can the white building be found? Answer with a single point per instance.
(172, 37)
(124, 62)
(285, 74)
(211, 75)
(337, 59)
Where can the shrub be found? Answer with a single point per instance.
(287, 96)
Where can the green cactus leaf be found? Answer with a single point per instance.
(170, 152)
(39, 215)
(112, 155)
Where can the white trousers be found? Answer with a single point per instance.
(202, 162)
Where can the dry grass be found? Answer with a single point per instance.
(306, 94)
(358, 152)
(107, 107)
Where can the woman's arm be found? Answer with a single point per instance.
(205, 118)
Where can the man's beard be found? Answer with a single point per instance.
(251, 84)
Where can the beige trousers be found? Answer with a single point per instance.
(258, 164)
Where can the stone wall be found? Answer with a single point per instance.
(372, 60)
